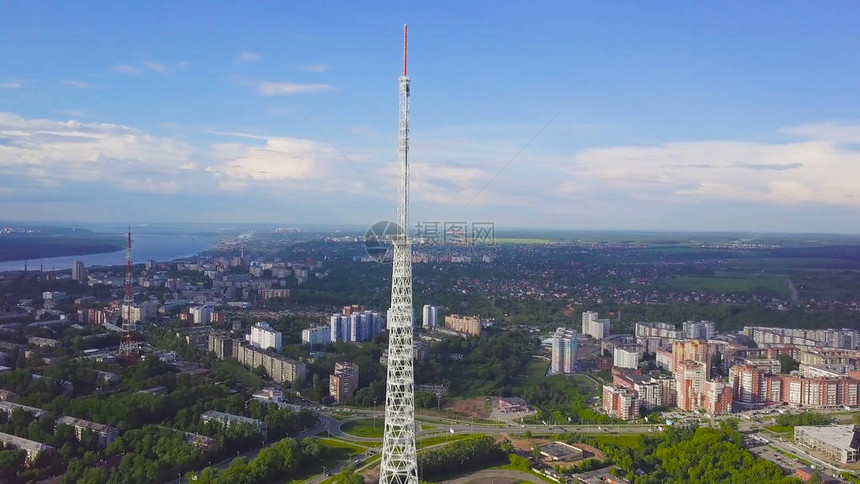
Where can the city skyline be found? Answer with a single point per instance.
(583, 116)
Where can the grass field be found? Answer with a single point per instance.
(778, 429)
(731, 283)
(341, 444)
(586, 384)
(536, 371)
(626, 440)
(441, 439)
(340, 451)
(364, 428)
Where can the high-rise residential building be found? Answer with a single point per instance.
(716, 397)
(620, 402)
(564, 344)
(79, 271)
(594, 327)
(626, 356)
(690, 377)
(650, 393)
(698, 330)
(221, 344)
(668, 390)
(432, 316)
(264, 337)
(140, 312)
(344, 381)
(694, 350)
(356, 326)
(463, 324)
(316, 336)
(201, 314)
(664, 359)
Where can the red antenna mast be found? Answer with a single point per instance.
(404, 49)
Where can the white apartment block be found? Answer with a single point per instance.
(594, 327)
(263, 336)
(564, 344)
(319, 335)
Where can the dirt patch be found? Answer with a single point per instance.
(371, 475)
(524, 446)
(470, 408)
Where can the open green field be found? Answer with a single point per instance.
(625, 440)
(731, 283)
(536, 370)
(340, 451)
(342, 444)
(586, 384)
(778, 429)
(440, 439)
(365, 428)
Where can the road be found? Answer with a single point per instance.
(442, 426)
(496, 476)
(794, 298)
(793, 449)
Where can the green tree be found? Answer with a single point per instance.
(787, 364)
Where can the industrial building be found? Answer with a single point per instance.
(837, 443)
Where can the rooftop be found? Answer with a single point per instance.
(22, 443)
(85, 424)
(840, 436)
(10, 407)
(216, 415)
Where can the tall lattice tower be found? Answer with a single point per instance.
(399, 460)
(129, 345)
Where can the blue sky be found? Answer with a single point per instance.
(681, 115)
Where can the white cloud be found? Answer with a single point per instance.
(183, 63)
(76, 84)
(362, 130)
(279, 88)
(74, 113)
(789, 173)
(155, 67)
(145, 65)
(248, 57)
(313, 67)
(59, 151)
(278, 159)
(11, 85)
(838, 133)
(124, 69)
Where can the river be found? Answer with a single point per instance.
(161, 242)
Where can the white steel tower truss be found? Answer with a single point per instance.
(399, 460)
